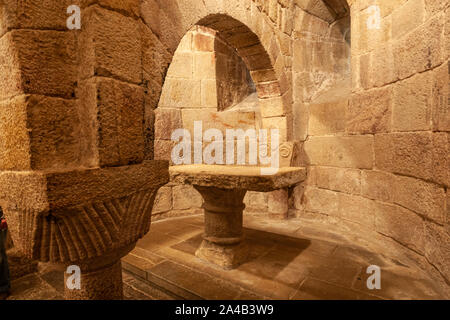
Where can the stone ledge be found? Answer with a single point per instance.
(236, 177)
(42, 191)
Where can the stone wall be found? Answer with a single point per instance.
(378, 157)
(176, 200)
(205, 78)
(205, 73)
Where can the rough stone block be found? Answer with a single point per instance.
(336, 179)
(256, 201)
(155, 58)
(327, 118)
(321, 201)
(405, 153)
(14, 138)
(205, 65)
(181, 66)
(181, 93)
(357, 209)
(370, 111)
(166, 122)
(441, 159)
(203, 42)
(278, 203)
(163, 200)
(10, 71)
(303, 54)
(263, 75)
(268, 89)
(440, 96)
(382, 69)
(422, 197)
(368, 39)
(400, 224)
(186, 197)
(40, 15)
(163, 150)
(39, 132)
(437, 247)
(301, 118)
(54, 129)
(412, 104)
(407, 18)
(111, 44)
(377, 185)
(419, 50)
(446, 44)
(130, 6)
(121, 122)
(280, 123)
(433, 7)
(316, 8)
(350, 152)
(209, 94)
(272, 107)
(38, 62)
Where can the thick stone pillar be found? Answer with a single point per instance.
(86, 218)
(223, 238)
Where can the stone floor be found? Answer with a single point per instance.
(290, 259)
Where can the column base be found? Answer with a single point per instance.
(102, 284)
(101, 277)
(225, 256)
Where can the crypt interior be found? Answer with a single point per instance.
(357, 89)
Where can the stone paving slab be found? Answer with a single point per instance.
(295, 259)
(285, 264)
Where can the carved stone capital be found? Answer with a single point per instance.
(78, 215)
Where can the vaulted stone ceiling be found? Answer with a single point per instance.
(328, 10)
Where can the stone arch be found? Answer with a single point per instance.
(328, 10)
(250, 49)
(246, 27)
(267, 71)
(236, 36)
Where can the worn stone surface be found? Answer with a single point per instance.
(405, 153)
(278, 203)
(412, 104)
(327, 118)
(370, 112)
(186, 197)
(400, 224)
(284, 255)
(337, 179)
(163, 200)
(364, 105)
(236, 177)
(353, 152)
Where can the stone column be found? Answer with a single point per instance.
(101, 278)
(223, 238)
(87, 218)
